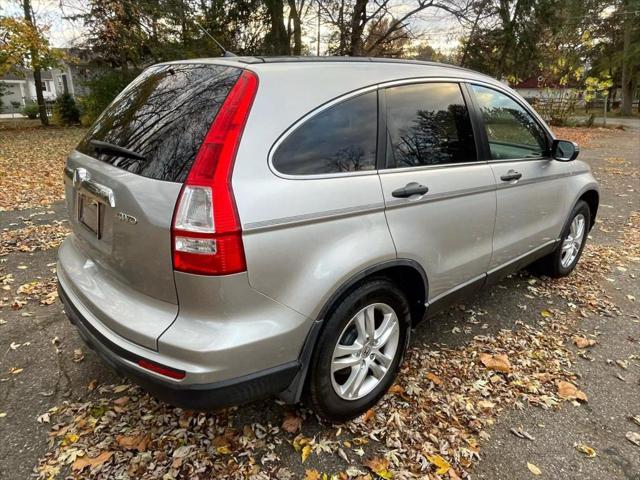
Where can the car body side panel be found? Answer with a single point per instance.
(337, 230)
(227, 329)
(449, 230)
(529, 213)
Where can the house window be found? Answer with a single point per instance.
(44, 86)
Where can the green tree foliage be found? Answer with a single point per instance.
(65, 110)
(31, 110)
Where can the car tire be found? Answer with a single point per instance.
(565, 257)
(338, 394)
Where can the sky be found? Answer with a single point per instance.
(437, 27)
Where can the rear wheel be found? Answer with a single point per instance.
(359, 351)
(564, 258)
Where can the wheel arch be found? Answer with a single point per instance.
(406, 273)
(592, 198)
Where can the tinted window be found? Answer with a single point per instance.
(428, 124)
(511, 130)
(162, 115)
(342, 138)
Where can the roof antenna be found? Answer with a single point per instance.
(225, 52)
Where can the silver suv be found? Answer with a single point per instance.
(256, 226)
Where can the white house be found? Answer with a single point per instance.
(20, 87)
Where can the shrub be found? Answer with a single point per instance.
(65, 110)
(31, 110)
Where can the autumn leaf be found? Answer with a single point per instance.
(379, 466)
(498, 362)
(292, 423)
(81, 463)
(587, 450)
(442, 465)
(568, 391)
(396, 389)
(369, 415)
(533, 469)
(634, 438)
(546, 313)
(138, 442)
(582, 342)
(121, 401)
(434, 378)
(312, 475)
(306, 451)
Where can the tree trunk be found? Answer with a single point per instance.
(627, 78)
(358, 21)
(294, 14)
(277, 39)
(37, 75)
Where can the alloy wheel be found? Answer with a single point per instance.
(365, 351)
(573, 241)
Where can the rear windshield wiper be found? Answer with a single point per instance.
(112, 148)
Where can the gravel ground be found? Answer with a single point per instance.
(40, 340)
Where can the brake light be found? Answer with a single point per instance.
(206, 234)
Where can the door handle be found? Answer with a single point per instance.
(409, 190)
(511, 175)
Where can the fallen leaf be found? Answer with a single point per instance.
(369, 415)
(634, 438)
(306, 451)
(568, 391)
(395, 388)
(121, 401)
(139, 442)
(379, 466)
(546, 313)
(83, 462)
(533, 469)
(78, 355)
(92, 385)
(44, 418)
(15, 370)
(498, 362)
(292, 423)
(442, 465)
(312, 475)
(519, 432)
(586, 449)
(434, 378)
(582, 342)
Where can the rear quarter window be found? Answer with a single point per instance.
(163, 116)
(340, 139)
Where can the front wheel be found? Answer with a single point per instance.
(359, 351)
(564, 258)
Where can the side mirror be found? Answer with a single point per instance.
(564, 150)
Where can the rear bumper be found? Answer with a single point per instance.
(191, 396)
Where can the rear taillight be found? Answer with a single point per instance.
(206, 234)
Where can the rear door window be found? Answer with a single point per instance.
(161, 118)
(340, 139)
(428, 124)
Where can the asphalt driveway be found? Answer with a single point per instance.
(60, 403)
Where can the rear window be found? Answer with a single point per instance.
(162, 116)
(340, 139)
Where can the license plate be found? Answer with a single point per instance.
(89, 213)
